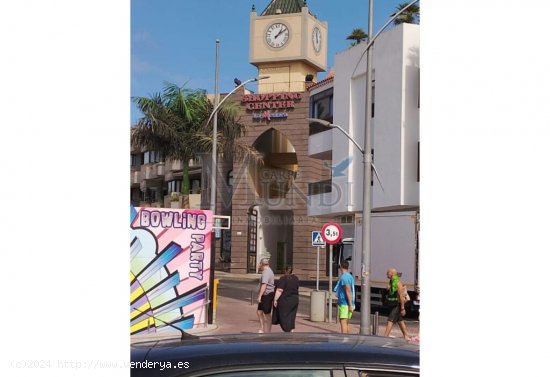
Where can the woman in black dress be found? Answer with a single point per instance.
(286, 300)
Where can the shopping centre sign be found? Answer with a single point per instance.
(270, 105)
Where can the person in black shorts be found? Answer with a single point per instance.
(266, 294)
(396, 302)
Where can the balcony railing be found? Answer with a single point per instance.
(151, 172)
(135, 177)
(160, 168)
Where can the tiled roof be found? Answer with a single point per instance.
(326, 80)
(286, 6)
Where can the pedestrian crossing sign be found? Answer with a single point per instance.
(317, 239)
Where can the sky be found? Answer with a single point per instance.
(175, 40)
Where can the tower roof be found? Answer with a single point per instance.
(286, 6)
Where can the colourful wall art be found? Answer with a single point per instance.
(169, 268)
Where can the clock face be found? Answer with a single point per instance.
(277, 35)
(316, 38)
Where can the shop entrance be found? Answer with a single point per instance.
(272, 228)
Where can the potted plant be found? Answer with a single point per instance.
(175, 200)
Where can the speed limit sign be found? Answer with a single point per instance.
(331, 233)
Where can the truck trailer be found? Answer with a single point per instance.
(394, 243)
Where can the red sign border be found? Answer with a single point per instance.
(339, 230)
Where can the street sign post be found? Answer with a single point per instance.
(332, 234)
(317, 240)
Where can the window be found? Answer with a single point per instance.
(230, 178)
(373, 98)
(151, 157)
(135, 196)
(135, 159)
(321, 105)
(346, 219)
(372, 169)
(150, 195)
(174, 186)
(370, 373)
(195, 186)
(276, 373)
(229, 182)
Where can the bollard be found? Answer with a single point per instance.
(206, 304)
(251, 297)
(215, 299)
(317, 307)
(374, 321)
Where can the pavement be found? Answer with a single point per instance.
(233, 316)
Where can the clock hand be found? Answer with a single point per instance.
(280, 31)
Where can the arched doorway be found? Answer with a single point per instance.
(272, 236)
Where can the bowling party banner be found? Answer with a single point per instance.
(169, 268)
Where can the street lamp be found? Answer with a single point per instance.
(217, 107)
(367, 174)
(331, 125)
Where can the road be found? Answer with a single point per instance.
(245, 289)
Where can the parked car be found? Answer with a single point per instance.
(277, 354)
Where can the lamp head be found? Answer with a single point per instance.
(321, 121)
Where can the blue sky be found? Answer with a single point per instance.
(175, 40)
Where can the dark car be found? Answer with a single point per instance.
(280, 354)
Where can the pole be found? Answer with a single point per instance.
(330, 285)
(365, 328)
(317, 267)
(213, 174)
(213, 182)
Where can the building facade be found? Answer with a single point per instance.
(395, 129)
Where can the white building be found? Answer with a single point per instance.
(395, 127)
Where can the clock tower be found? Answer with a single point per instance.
(287, 43)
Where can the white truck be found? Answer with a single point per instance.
(394, 243)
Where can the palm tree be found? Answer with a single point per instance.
(357, 35)
(173, 124)
(410, 16)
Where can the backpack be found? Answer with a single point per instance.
(407, 297)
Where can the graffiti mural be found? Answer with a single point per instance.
(169, 268)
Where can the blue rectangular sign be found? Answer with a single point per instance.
(317, 239)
